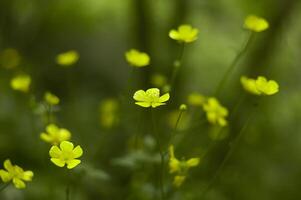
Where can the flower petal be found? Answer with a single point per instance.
(19, 184)
(73, 163)
(55, 152)
(8, 166)
(5, 176)
(192, 162)
(27, 175)
(77, 152)
(143, 104)
(66, 146)
(140, 95)
(164, 97)
(58, 162)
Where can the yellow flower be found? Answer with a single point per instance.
(15, 174)
(178, 180)
(21, 82)
(67, 58)
(108, 109)
(150, 98)
(215, 112)
(66, 154)
(137, 58)
(158, 80)
(255, 23)
(196, 99)
(10, 58)
(55, 135)
(259, 86)
(51, 99)
(185, 33)
(177, 166)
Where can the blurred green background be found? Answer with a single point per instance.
(266, 164)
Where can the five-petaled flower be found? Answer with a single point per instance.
(255, 23)
(180, 167)
(66, 154)
(51, 99)
(185, 33)
(137, 58)
(150, 98)
(21, 82)
(67, 58)
(55, 135)
(215, 112)
(15, 174)
(259, 86)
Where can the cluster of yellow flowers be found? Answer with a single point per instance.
(215, 112)
(180, 167)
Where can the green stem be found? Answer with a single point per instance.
(232, 66)
(177, 64)
(173, 133)
(4, 186)
(68, 192)
(161, 179)
(226, 158)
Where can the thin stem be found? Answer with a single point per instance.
(173, 133)
(226, 158)
(68, 192)
(232, 66)
(4, 186)
(177, 64)
(161, 179)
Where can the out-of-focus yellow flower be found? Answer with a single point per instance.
(137, 58)
(185, 33)
(180, 166)
(10, 58)
(196, 99)
(255, 23)
(67, 58)
(21, 82)
(51, 99)
(259, 86)
(15, 174)
(215, 112)
(158, 80)
(150, 98)
(108, 109)
(179, 180)
(55, 135)
(66, 154)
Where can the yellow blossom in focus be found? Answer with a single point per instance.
(137, 58)
(179, 180)
(21, 82)
(255, 23)
(215, 112)
(158, 80)
(55, 135)
(196, 99)
(15, 174)
(10, 58)
(150, 98)
(51, 99)
(185, 33)
(67, 58)
(108, 109)
(259, 86)
(66, 154)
